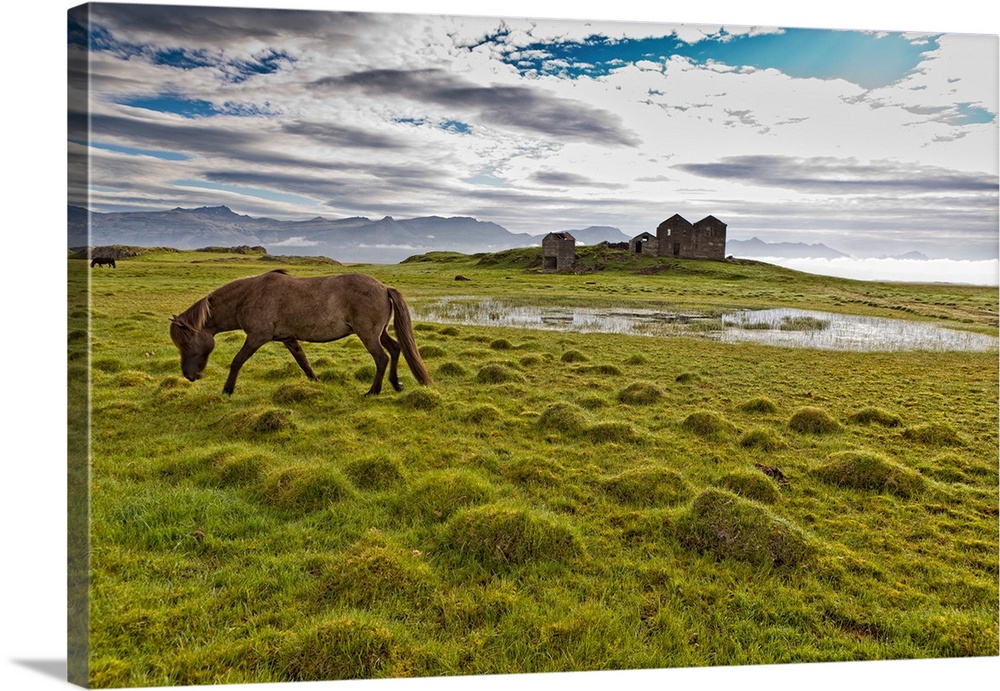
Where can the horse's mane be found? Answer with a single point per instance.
(196, 315)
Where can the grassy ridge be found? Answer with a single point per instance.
(558, 501)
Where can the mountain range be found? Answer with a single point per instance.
(357, 239)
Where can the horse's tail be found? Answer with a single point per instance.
(404, 332)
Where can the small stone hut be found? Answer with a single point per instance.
(677, 237)
(643, 243)
(558, 252)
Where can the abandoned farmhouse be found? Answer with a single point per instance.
(675, 237)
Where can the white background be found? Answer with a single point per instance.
(33, 339)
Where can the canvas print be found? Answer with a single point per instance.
(435, 346)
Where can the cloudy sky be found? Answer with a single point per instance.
(873, 142)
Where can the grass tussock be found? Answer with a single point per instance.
(498, 374)
(759, 404)
(256, 422)
(536, 472)
(296, 393)
(811, 420)
(451, 369)
(934, 434)
(341, 647)
(131, 378)
(482, 414)
(372, 572)
(688, 378)
(497, 534)
(648, 486)
(762, 439)
(707, 424)
(613, 432)
(421, 399)
(378, 472)
(871, 472)
(751, 485)
(431, 351)
(306, 488)
(876, 416)
(565, 418)
(730, 527)
(640, 393)
(573, 356)
(438, 494)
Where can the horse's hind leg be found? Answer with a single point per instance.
(386, 340)
(295, 348)
(373, 346)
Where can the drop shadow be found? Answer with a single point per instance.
(50, 668)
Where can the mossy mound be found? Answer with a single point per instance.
(751, 485)
(573, 356)
(431, 351)
(688, 378)
(593, 402)
(306, 487)
(647, 486)
(759, 404)
(501, 344)
(730, 527)
(296, 393)
(497, 374)
(440, 493)
(613, 432)
(131, 378)
(372, 572)
(536, 472)
(451, 369)
(238, 469)
(375, 473)
(255, 422)
(421, 399)
(872, 472)
(705, 423)
(810, 420)
(763, 439)
(640, 393)
(482, 413)
(934, 434)
(602, 370)
(563, 417)
(501, 534)
(338, 648)
(876, 416)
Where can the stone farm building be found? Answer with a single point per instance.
(558, 252)
(677, 237)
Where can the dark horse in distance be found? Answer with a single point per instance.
(278, 307)
(102, 261)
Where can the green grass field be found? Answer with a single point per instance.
(557, 501)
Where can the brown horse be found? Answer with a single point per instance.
(101, 261)
(278, 307)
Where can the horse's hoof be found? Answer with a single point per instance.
(397, 387)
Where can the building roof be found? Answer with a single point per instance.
(561, 236)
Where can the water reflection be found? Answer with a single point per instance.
(785, 327)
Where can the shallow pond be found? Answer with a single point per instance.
(784, 327)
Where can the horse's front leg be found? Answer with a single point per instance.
(295, 348)
(250, 346)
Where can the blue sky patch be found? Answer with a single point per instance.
(133, 151)
(867, 59)
(192, 108)
(456, 126)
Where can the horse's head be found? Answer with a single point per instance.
(195, 346)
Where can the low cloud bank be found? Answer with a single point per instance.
(976, 272)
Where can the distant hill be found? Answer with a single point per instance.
(755, 247)
(355, 239)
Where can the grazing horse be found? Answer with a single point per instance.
(278, 307)
(101, 261)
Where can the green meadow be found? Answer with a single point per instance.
(556, 501)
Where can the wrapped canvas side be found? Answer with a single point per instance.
(78, 365)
